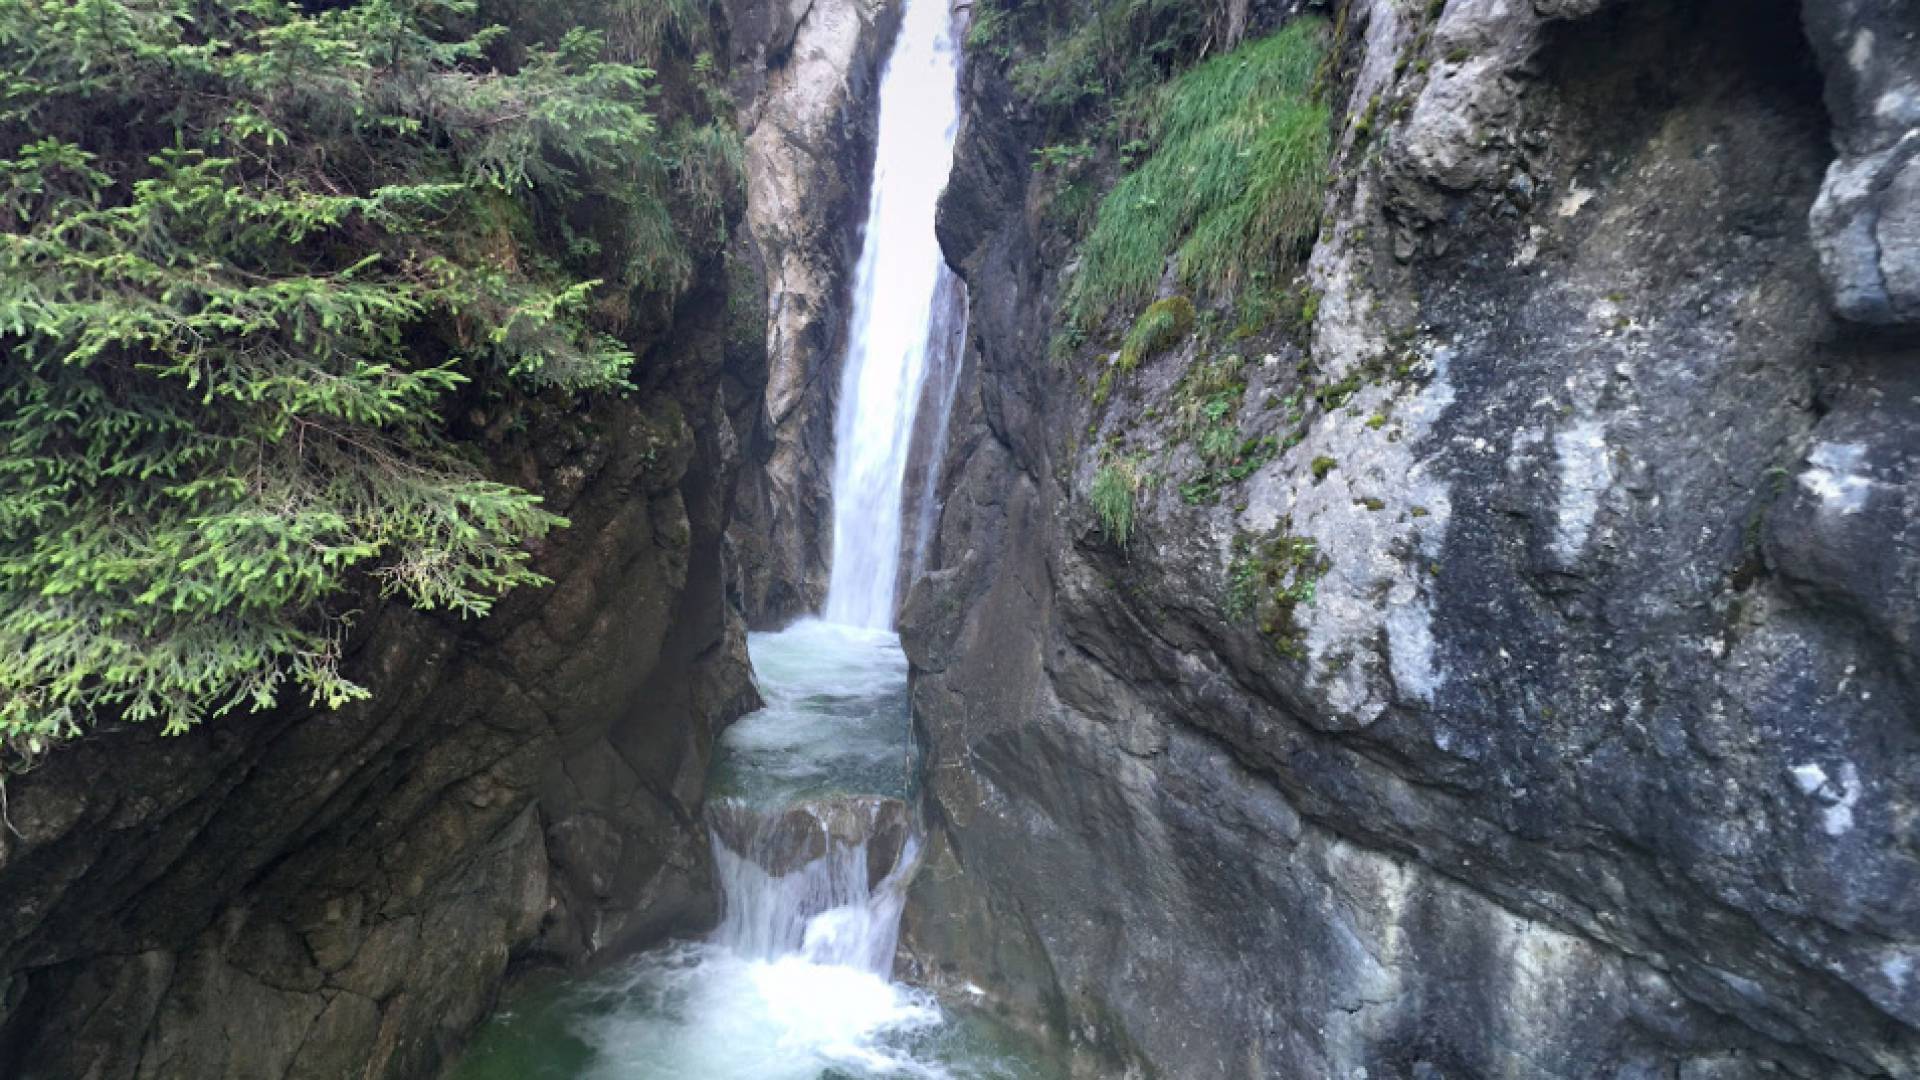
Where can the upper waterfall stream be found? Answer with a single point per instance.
(813, 841)
(903, 293)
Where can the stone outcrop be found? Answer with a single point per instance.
(1591, 752)
(786, 840)
(1866, 223)
(810, 88)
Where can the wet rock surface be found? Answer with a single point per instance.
(785, 840)
(1594, 752)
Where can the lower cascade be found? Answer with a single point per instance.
(813, 848)
(823, 880)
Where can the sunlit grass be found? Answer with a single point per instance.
(1233, 184)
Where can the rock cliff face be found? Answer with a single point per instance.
(1588, 749)
(811, 71)
(1867, 220)
(340, 895)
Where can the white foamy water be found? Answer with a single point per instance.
(828, 911)
(899, 277)
(708, 1013)
(793, 985)
(813, 851)
(834, 722)
(812, 856)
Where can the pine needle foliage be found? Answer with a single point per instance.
(1233, 183)
(249, 255)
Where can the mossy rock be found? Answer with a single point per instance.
(1270, 579)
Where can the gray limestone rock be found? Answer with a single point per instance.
(1593, 754)
(1866, 223)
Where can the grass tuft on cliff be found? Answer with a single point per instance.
(1115, 487)
(1159, 328)
(253, 256)
(1233, 183)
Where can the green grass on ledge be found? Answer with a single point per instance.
(1233, 185)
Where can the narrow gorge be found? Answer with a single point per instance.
(974, 539)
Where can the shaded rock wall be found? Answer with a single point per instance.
(1594, 752)
(810, 83)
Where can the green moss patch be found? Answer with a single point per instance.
(1270, 579)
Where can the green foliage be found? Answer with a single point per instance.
(1229, 458)
(1208, 396)
(1363, 126)
(1062, 155)
(1232, 187)
(710, 163)
(1103, 389)
(1399, 362)
(1206, 405)
(1109, 47)
(1218, 443)
(1072, 206)
(250, 259)
(1065, 342)
(1335, 394)
(990, 30)
(1257, 304)
(1269, 579)
(1309, 310)
(1322, 466)
(1115, 487)
(1163, 325)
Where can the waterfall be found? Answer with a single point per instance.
(948, 345)
(812, 839)
(900, 277)
(825, 881)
